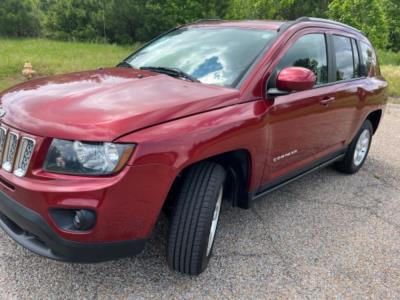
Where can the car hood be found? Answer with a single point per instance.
(103, 105)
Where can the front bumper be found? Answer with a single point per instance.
(126, 205)
(30, 230)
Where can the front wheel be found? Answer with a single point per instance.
(195, 218)
(357, 151)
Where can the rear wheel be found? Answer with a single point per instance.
(357, 151)
(195, 219)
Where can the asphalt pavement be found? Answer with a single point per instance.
(327, 235)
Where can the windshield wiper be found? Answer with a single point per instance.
(124, 64)
(174, 72)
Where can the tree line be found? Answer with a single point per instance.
(128, 21)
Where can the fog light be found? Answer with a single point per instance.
(84, 219)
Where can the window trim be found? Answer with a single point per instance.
(331, 58)
(358, 42)
(356, 52)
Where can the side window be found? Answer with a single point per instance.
(344, 58)
(356, 58)
(368, 59)
(308, 52)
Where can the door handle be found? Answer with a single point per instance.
(327, 100)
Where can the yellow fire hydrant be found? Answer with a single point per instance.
(28, 71)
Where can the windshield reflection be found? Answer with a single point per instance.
(212, 55)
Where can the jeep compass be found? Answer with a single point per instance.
(209, 111)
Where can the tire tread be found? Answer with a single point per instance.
(190, 225)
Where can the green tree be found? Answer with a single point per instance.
(366, 15)
(73, 19)
(392, 11)
(249, 9)
(19, 18)
(294, 9)
(275, 9)
(140, 20)
(127, 21)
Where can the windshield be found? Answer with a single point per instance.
(219, 56)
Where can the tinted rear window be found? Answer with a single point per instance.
(368, 60)
(344, 58)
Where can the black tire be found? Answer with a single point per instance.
(347, 165)
(192, 218)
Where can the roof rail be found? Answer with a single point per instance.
(334, 23)
(206, 20)
(289, 24)
(308, 19)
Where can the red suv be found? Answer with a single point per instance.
(208, 111)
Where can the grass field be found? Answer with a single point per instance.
(390, 67)
(53, 57)
(392, 75)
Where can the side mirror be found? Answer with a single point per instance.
(293, 79)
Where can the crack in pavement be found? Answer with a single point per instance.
(288, 267)
(355, 207)
(361, 191)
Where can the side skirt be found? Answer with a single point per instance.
(284, 180)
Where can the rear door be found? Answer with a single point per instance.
(347, 82)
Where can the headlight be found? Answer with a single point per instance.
(75, 157)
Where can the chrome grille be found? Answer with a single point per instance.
(24, 155)
(3, 137)
(9, 151)
(15, 153)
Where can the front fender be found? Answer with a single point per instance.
(183, 142)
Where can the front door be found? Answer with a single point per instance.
(300, 125)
